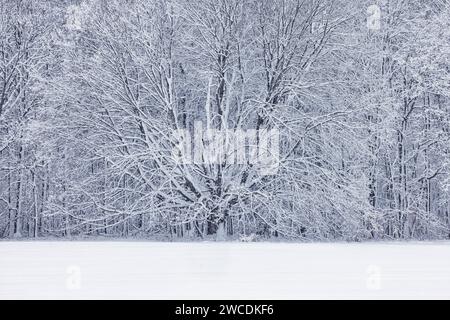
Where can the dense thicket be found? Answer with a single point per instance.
(92, 93)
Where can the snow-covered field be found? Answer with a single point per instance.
(151, 270)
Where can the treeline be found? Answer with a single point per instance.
(92, 92)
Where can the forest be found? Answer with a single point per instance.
(100, 100)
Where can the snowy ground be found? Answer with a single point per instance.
(150, 270)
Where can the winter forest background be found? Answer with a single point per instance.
(91, 93)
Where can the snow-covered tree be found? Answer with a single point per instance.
(310, 120)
